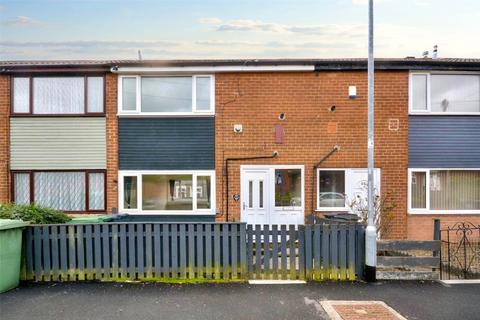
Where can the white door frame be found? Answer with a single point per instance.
(271, 198)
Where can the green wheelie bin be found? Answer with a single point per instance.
(10, 253)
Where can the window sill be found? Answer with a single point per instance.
(333, 210)
(71, 115)
(165, 115)
(168, 213)
(443, 212)
(412, 113)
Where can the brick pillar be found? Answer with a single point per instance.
(112, 141)
(4, 138)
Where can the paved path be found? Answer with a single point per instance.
(415, 300)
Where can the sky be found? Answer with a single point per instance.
(181, 29)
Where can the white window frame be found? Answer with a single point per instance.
(377, 186)
(427, 209)
(345, 208)
(429, 104)
(139, 175)
(272, 185)
(138, 106)
(271, 173)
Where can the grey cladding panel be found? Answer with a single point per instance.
(167, 143)
(444, 142)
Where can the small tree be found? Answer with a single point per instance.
(383, 210)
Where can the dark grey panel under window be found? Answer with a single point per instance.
(444, 141)
(165, 218)
(166, 143)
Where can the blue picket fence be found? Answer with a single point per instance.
(192, 251)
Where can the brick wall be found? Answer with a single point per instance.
(4, 138)
(112, 141)
(420, 227)
(255, 100)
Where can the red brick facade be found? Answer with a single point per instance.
(311, 130)
(4, 138)
(255, 100)
(420, 227)
(111, 95)
(111, 134)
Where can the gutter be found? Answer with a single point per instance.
(397, 65)
(53, 70)
(213, 69)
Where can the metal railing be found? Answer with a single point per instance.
(460, 251)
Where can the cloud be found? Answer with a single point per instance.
(221, 49)
(21, 21)
(331, 41)
(138, 44)
(210, 21)
(260, 26)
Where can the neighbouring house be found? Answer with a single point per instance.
(259, 141)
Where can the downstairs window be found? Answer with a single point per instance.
(454, 190)
(61, 190)
(167, 191)
(340, 189)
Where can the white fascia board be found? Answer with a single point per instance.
(212, 69)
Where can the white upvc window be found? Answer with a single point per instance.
(178, 95)
(288, 187)
(167, 192)
(338, 188)
(444, 93)
(443, 191)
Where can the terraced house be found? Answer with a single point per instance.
(259, 141)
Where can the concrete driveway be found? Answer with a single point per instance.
(414, 300)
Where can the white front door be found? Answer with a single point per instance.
(255, 185)
(272, 195)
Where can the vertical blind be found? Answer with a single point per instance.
(454, 190)
(419, 190)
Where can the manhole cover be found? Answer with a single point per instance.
(359, 310)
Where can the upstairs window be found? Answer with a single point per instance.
(166, 95)
(58, 95)
(432, 93)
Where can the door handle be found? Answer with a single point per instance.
(244, 206)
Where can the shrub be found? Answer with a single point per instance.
(32, 213)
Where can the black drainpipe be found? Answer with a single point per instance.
(315, 167)
(274, 155)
